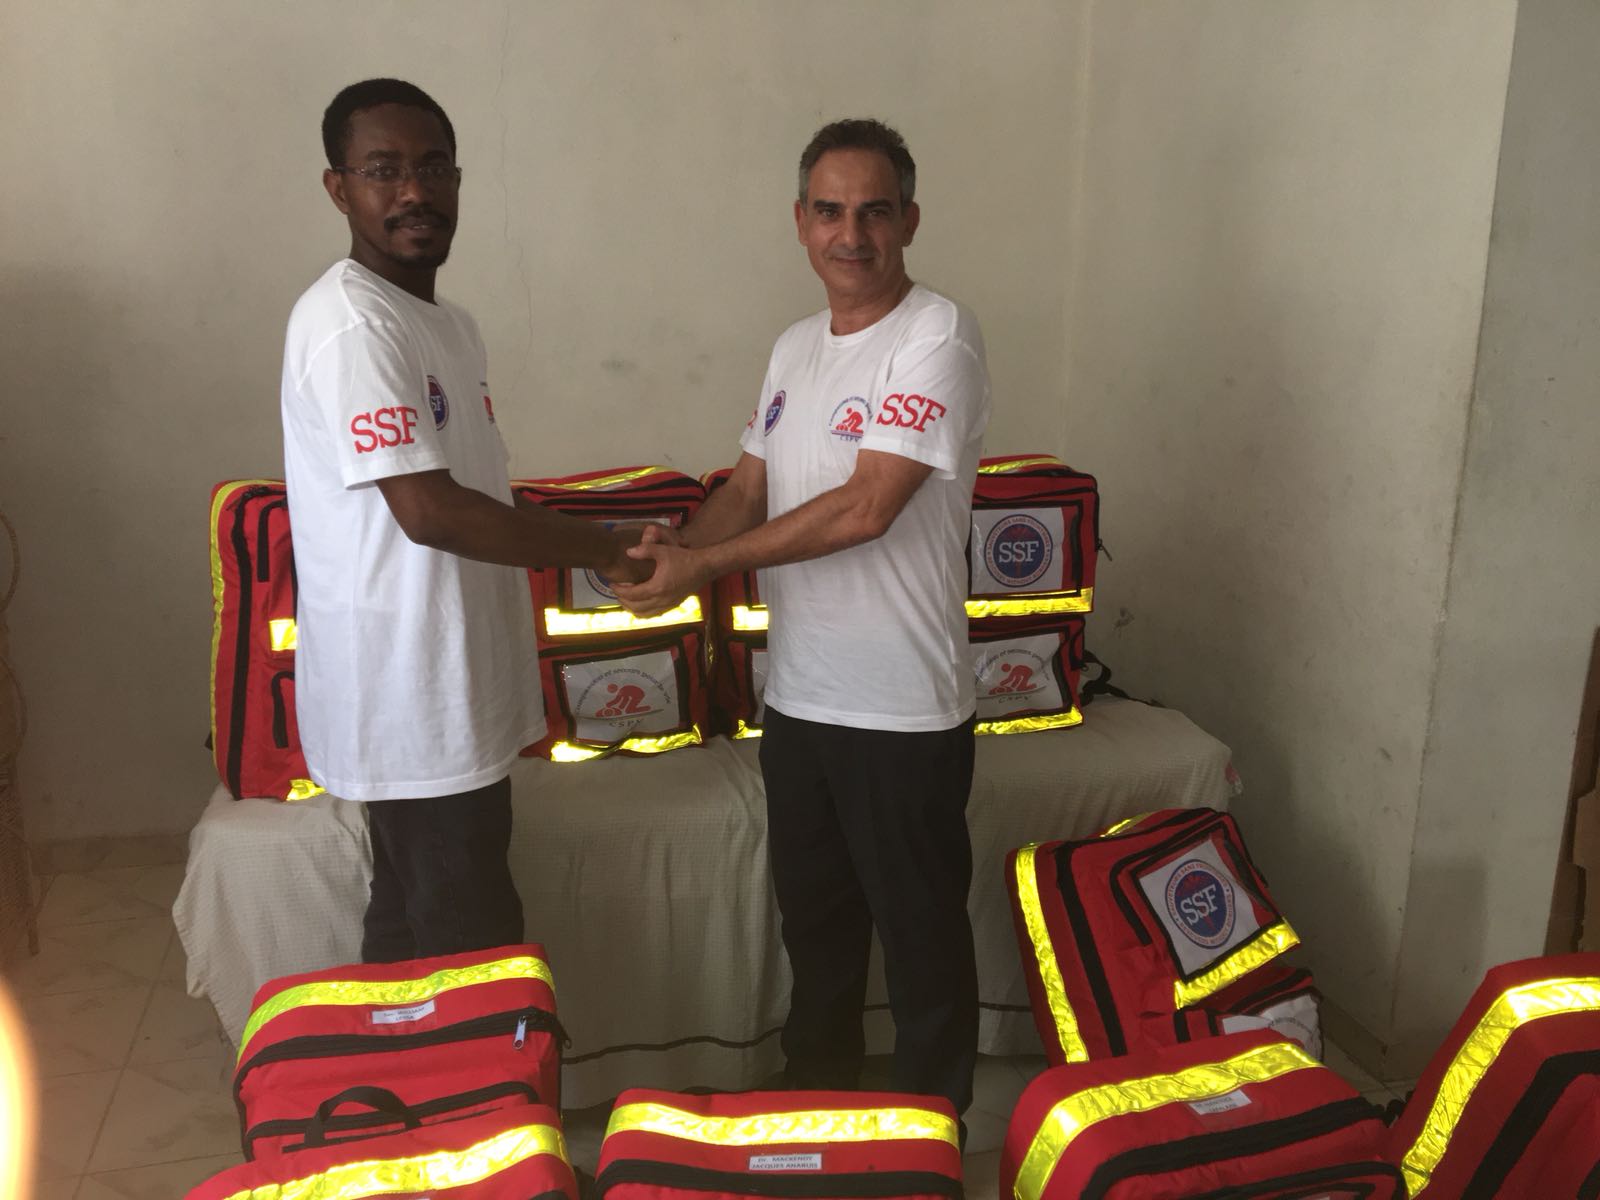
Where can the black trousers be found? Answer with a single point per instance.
(868, 828)
(440, 884)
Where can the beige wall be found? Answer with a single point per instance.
(626, 243)
(1524, 590)
(1275, 306)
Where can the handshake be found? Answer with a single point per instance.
(653, 570)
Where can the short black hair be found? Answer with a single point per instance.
(863, 133)
(370, 93)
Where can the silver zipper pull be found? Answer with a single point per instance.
(522, 1033)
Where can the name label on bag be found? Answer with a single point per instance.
(786, 1162)
(400, 1016)
(1220, 1104)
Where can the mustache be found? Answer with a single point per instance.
(424, 212)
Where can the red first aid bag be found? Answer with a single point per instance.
(1122, 931)
(574, 603)
(1025, 673)
(1035, 532)
(369, 1048)
(1241, 1115)
(509, 1154)
(635, 694)
(836, 1145)
(255, 739)
(1509, 1106)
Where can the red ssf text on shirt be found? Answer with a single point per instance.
(383, 427)
(900, 409)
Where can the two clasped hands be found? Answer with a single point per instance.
(666, 571)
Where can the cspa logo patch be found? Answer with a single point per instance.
(1018, 551)
(850, 419)
(1200, 902)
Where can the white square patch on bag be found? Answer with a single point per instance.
(1016, 676)
(1200, 901)
(616, 698)
(1018, 550)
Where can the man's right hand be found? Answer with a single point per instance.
(622, 569)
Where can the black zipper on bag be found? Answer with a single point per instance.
(1088, 952)
(359, 1123)
(280, 711)
(264, 539)
(853, 1185)
(337, 1045)
(1554, 1076)
(1349, 1178)
(1234, 1143)
(241, 653)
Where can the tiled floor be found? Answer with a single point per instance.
(135, 1073)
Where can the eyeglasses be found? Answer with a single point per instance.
(388, 174)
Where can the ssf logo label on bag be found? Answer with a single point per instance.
(1196, 898)
(617, 698)
(1017, 550)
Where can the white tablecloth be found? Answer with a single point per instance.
(646, 881)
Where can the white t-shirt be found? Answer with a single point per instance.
(875, 637)
(416, 672)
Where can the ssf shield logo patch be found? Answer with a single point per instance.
(440, 404)
(1018, 551)
(1200, 903)
(774, 411)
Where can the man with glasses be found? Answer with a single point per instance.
(416, 672)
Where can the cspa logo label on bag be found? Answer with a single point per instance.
(1200, 902)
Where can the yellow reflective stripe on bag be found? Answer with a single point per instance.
(302, 789)
(1259, 950)
(1071, 1115)
(1509, 1013)
(283, 634)
(749, 618)
(594, 485)
(578, 752)
(1007, 465)
(785, 1128)
(560, 622)
(743, 729)
(1055, 990)
(1113, 830)
(1022, 606)
(1031, 724)
(392, 992)
(434, 1172)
